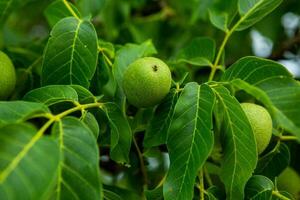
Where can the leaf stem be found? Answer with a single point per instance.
(52, 118)
(280, 196)
(100, 49)
(201, 186)
(6, 172)
(207, 176)
(288, 138)
(225, 40)
(143, 168)
(70, 9)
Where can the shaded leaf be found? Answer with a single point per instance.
(222, 13)
(90, 120)
(24, 171)
(71, 53)
(78, 173)
(58, 10)
(238, 143)
(199, 52)
(274, 162)
(88, 7)
(155, 194)
(121, 135)
(189, 141)
(156, 132)
(259, 188)
(6, 8)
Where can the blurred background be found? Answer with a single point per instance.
(170, 24)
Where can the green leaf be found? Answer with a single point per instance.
(107, 48)
(58, 10)
(273, 163)
(222, 13)
(189, 141)
(259, 188)
(78, 173)
(52, 94)
(129, 53)
(270, 83)
(84, 95)
(110, 195)
(24, 171)
(252, 11)
(219, 20)
(71, 53)
(90, 120)
(199, 52)
(102, 76)
(88, 7)
(214, 193)
(155, 194)
(18, 111)
(156, 132)
(121, 135)
(238, 143)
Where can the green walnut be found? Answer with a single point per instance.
(146, 82)
(289, 181)
(261, 123)
(7, 76)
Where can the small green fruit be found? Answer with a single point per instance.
(289, 181)
(7, 76)
(261, 123)
(146, 82)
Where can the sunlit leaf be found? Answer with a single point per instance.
(71, 53)
(189, 141)
(52, 94)
(238, 143)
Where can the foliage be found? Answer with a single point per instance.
(67, 130)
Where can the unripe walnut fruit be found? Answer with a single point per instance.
(146, 82)
(7, 76)
(261, 123)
